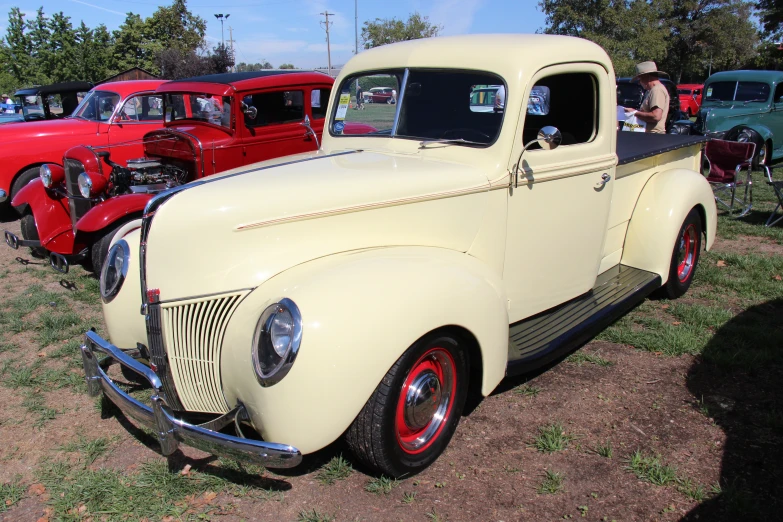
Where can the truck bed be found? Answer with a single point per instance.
(633, 146)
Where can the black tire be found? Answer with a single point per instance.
(100, 248)
(21, 180)
(685, 257)
(744, 135)
(30, 232)
(381, 436)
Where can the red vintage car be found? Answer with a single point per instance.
(213, 123)
(98, 121)
(690, 97)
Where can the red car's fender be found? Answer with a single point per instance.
(52, 217)
(108, 212)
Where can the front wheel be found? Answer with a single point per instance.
(685, 257)
(30, 232)
(412, 414)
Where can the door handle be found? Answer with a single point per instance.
(605, 178)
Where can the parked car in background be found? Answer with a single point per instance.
(380, 95)
(690, 97)
(366, 290)
(99, 120)
(213, 123)
(630, 94)
(742, 106)
(482, 99)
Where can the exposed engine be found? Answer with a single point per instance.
(143, 175)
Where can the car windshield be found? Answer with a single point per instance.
(737, 91)
(97, 106)
(684, 91)
(198, 107)
(434, 104)
(629, 91)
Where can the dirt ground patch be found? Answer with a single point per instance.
(647, 436)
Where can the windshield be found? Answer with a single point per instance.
(433, 105)
(737, 91)
(684, 91)
(97, 106)
(206, 108)
(629, 93)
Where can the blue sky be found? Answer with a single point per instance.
(284, 31)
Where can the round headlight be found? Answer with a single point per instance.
(85, 185)
(114, 270)
(276, 341)
(46, 175)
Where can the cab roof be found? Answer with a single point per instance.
(227, 83)
(55, 88)
(746, 76)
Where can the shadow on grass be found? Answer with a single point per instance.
(738, 379)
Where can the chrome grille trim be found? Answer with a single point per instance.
(158, 356)
(77, 204)
(193, 334)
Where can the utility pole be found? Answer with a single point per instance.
(356, 25)
(326, 26)
(231, 41)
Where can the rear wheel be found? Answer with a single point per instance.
(685, 257)
(412, 414)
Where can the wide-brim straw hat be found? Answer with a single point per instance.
(648, 68)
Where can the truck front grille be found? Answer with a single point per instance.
(193, 332)
(78, 205)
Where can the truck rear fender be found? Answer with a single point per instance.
(52, 216)
(108, 212)
(361, 310)
(665, 201)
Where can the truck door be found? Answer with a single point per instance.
(276, 128)
(557, 215)
(138, 115)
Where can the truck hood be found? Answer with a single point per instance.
(48, 128)
(723, 118)
(238, 230)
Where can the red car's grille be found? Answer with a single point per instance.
(78, 205)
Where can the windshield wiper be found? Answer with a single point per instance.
(449, 141)
(722, 102)
(751, 101)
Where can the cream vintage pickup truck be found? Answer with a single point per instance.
(365, 290)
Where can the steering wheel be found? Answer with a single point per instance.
(465, 132)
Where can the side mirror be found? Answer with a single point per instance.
(548, 138)
(309, 131)
(250, 111)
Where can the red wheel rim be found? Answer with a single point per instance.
(687, 253)
(425, 401)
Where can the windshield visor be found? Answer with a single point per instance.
(205, 108)
(97, 106)
(428, 105)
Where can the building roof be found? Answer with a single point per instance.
(55, 88)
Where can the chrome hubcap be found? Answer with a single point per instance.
(422, 400)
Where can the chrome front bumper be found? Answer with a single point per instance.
(170, 430)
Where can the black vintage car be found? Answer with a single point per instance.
(630, 94)
(48, 102)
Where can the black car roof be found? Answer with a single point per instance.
(55, 88)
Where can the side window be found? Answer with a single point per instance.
(142, 108)
(275, 108)
(697, 92)
(575, 117)
(319, 99)
(778, 93)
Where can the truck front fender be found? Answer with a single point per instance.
(52, 216)
(658, 215)
(107, 212)
(360, 310)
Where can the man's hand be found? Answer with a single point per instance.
(629, 110)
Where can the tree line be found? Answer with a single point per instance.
(49, 49)
(686, 38)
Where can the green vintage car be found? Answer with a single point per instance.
(742, 106)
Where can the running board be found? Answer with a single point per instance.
(540, 339)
